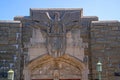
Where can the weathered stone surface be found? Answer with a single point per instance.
(85, 41)
(105, 44)
(10, 45)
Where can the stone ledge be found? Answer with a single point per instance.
(22, 18)
(35, 9)
(89, 17)
(9, 21)
(105, 21)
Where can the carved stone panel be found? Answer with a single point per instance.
(55, 27)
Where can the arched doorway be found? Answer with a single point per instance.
(62, 68)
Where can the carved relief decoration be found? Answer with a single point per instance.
(56, 28)
(62, 67)
(56, 40)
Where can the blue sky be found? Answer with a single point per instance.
(104, 9)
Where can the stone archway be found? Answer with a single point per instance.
(62, 68)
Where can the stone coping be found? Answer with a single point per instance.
(9, 21)
(89, 17)
(56, 8)
(105, 21)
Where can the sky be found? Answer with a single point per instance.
(104, 9)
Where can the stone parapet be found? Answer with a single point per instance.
(8, 21)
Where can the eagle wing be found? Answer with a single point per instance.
(71, 19)
(41, 20)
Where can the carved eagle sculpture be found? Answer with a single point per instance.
(56, 28)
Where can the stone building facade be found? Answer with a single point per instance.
(10, 48)
(60, 44)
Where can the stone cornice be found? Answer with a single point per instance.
(9, 21)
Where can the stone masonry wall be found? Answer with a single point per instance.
(101, 42)
(105, 44)
(85, 35)
(10, 46)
